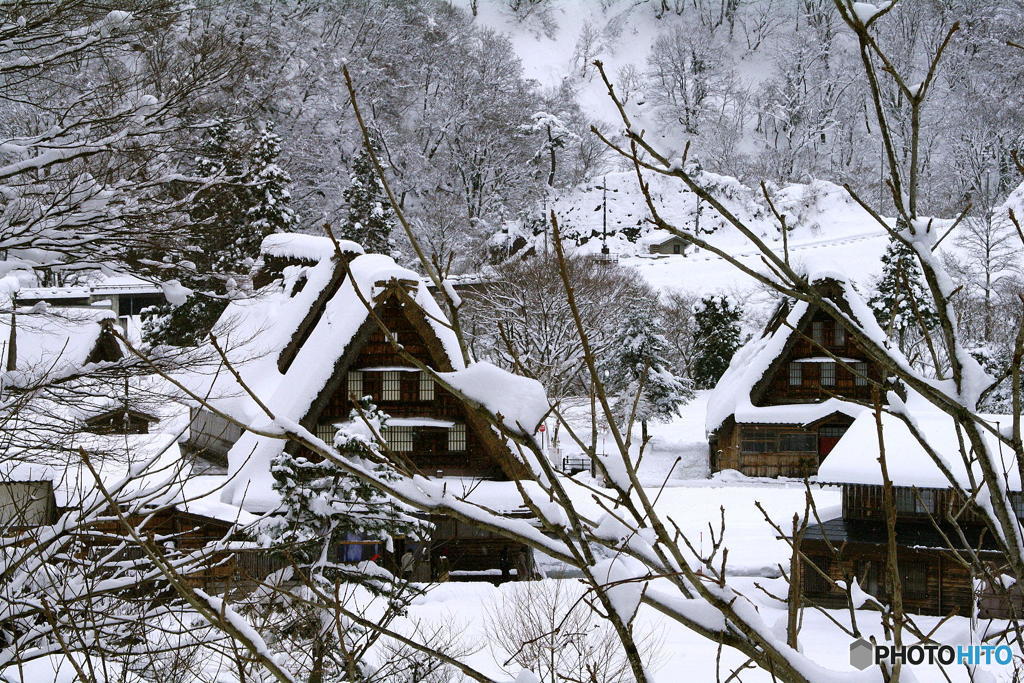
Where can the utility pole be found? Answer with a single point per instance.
(604, 215)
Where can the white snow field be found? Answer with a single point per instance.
(683, 655)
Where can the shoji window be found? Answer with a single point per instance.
(391, 386)
(426, 387)
(457, 438)
(828, 374)
(354, 384)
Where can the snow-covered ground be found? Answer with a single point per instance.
(683, 654)
(674, 471)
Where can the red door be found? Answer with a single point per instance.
(828, 437)
(826, 444)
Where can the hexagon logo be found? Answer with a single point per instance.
(862, 654)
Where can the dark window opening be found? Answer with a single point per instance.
(915, 579)
(796, 374)
(798, 442)
(818, 331)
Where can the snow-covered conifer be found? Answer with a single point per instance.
(717, 337)
(901, 303)
(267, 184)
(640, 365)
(996, 360)
(322, 506)
(370, 217)
(247, 200)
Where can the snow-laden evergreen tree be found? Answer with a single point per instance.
(996, 360)
(323, 506)
(901, 303)
(370, 217)
(716, 339)
(265, 202)
(639, 371)
(230, 219)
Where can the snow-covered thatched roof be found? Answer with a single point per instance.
(298, 246)
(309, 317)
(54, 342)
(854, 460)
(737, 392)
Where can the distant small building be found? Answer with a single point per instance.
(934, 579)
(120, 420)
(664, 242)
(47, 345)
(126, 295)
(790, 395)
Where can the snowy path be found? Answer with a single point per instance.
(793, 246)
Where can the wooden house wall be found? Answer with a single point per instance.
(728, 452)
(377, 352)
(468, 549)
(949, 587)
(862, 501)
(779, 391)
(187, 532)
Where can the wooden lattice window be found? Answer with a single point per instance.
(818, 331)
(1017, 501)
(828, 374)
(904, 499)
(838, 334)
(426, 387)
(918, 502)
(326, 432)
(758, 443)
(354, 384)
(457, 438)
(861, 376)
(796, 374)
(400, 439)
(391, 386)
(794, 441)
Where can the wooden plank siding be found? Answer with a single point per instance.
(923, 538)
(864, 501)
(731, 448)
(947, 589)
(485, 456)
(779, 391)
